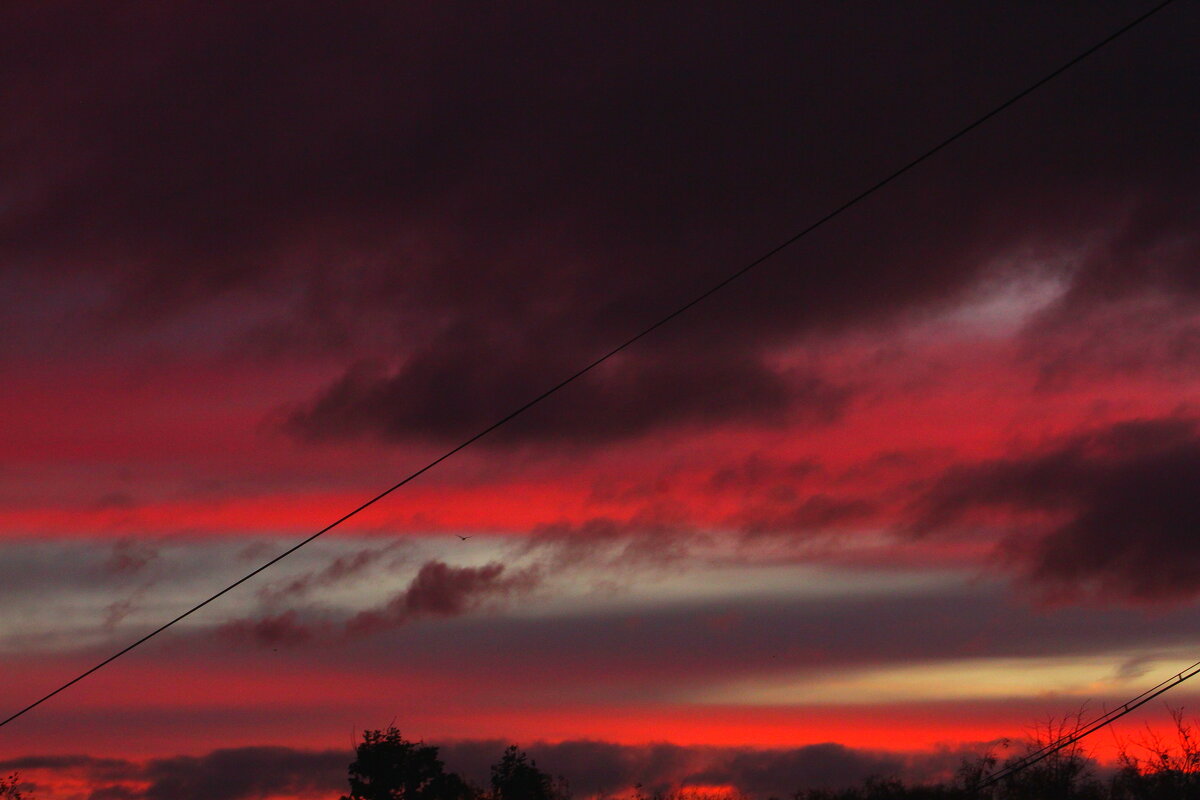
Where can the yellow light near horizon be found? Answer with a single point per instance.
(1081, 677)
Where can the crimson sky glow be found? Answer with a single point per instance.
(923, 480)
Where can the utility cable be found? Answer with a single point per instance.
(1104, 720)
(853, 201)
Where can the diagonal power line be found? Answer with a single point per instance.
(698, 299)
(1088, 728)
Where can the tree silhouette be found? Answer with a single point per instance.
(389, 767)
(8, 788)
(517, 777)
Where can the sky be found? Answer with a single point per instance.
(918, 484)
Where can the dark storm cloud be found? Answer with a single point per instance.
(485, 199)
(1126, 502)
(454, 390)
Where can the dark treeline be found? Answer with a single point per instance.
(386, 766)
(389, 767)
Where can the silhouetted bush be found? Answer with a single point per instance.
(1165, 770)
(516, 777)
(9, 790)
(389, 767)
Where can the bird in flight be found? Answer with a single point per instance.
(464, 538)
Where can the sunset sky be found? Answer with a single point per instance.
(927, 478)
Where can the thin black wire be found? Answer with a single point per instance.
(1149, 694)
(633, 339)
(1088, 729)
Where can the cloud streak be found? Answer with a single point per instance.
(441, 590)
(437, 591)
